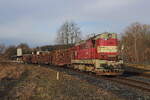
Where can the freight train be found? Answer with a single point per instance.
(98, 54)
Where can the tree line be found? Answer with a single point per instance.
(8, 52)
(134, 43)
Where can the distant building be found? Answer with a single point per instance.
(19, 52)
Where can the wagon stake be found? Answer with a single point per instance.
(57, 76)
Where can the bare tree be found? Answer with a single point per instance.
(68, 33)
(10, 51)
(136, 41)
(2, 48)
(23, 46)
(90, 35)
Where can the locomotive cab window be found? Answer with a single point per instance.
(109, 36)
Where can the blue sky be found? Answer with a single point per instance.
(36, 21)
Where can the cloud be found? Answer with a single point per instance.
(37, 21)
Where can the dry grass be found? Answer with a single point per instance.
(29, 82)
(7, 71)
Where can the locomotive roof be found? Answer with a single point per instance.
(93, 38)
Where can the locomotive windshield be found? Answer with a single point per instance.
(108, 36)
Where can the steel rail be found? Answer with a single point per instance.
(132, 83)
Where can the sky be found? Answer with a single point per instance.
(36, 22)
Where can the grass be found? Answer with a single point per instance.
(39, 83)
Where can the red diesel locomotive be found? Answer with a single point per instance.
(98, 54)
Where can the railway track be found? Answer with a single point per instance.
(132, 83)
(132, 73)
(144, 75)
(137, 84)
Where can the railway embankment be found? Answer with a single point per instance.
(45, 82)
(32, 82)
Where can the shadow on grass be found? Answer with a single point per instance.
(7, 84)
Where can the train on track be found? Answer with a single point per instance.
(98, 54)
